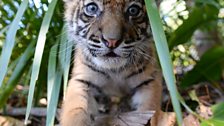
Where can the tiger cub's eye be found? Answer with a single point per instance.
(91, 9)
(134, 10)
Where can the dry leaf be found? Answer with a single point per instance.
(9, 121)
(134, 118)
(191, 120)
(167, 118)
(205, 111)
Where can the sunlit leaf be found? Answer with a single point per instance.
(65, 56)
(52, 65)
(7, 89)
(218, 111)
(198, 17)
(217, 118)
(38, 54)
(3, 30)
(209, 68)
(54, 99)
(10, 41)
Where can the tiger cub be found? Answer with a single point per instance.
(115, 69)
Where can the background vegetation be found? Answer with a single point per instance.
(35, 56)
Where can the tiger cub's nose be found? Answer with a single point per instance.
(112, 43)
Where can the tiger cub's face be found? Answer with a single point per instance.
(111, 33)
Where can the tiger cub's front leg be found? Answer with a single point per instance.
(148, 98)
(75, 107)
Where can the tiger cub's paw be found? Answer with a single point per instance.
(134, 118)
(75, 119)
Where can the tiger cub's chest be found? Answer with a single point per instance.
(116, 86)
(113, 96)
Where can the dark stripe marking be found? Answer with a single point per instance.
(81, 108)
(129, 41)
(136, 72)
(72, 13)
(85, 18)
(90, 84)
(96, 46)
(96, 70)
(94, 39)
(81, 29)
(146, 82)
(92, 52)
(127, 47)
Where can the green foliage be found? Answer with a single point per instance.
(217, 118)
(218, 111)
(24, 49)
(38, 55)
(209, 68)
(58, 69)
(203, 16)
(198, 17)
(21, 66)
(10, 41)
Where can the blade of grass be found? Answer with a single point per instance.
(67, 66)
(27, 78)
(10, 40)
(65, 57)
(3, 30)
(7, 89)
(38, 54)
(51, 71)
(54, 83)
(163, 54)
(12, 66)
(54, 99)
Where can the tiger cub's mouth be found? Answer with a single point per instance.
(111, 54)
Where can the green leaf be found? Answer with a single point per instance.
(51, 73)
(164, 55)
(198, 17)
(7, 89)
(3, 30)
(212, 122)
(217, 118)
(65, 56)
(194, 96)
(10, 41)
(209, 68)
(218, 111)
(38, 54)
(53, 101)
(51, 85)
(211, 2)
